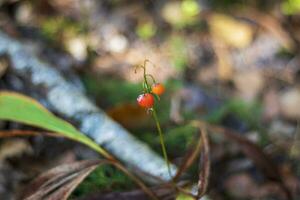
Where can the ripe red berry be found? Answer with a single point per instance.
(145, 100)
(158, 88)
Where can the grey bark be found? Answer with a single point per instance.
(69, 101)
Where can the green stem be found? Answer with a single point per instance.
(161, 137)
(145, 84)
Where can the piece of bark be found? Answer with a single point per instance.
(70, 102)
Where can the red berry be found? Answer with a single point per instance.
(145, 100)
(158, 88)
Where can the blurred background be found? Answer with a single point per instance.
(232, 63)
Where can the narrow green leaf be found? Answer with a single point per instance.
(20, 108)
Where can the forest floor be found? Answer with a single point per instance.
(234, 65)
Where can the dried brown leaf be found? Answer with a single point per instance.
(202, 146)
(59, 182)
(65, 187)
(15, 133)
(189, 158)
(204, 163)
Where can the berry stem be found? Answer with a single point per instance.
(145, 76)
(161, 137)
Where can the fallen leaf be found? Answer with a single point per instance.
(129, 115)
(225, 68)
(231, 31)
(58, 183)
(202, 146)
(204, 163)
(189, 158)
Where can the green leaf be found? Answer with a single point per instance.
(20, 108)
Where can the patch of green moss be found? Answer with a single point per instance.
(177, 139)
(249, 113)
(104, 178)
(112, 91)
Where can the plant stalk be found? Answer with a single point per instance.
(162, 142)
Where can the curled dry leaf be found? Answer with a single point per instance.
(83, 174)
(230, 30)
(58, 183)
(189, 158)
(201, 146)
(204, 163)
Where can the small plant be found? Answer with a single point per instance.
(151, 95)
(146, 100)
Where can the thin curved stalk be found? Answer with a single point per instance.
(162, 142)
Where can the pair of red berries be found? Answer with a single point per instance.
(146, 100)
